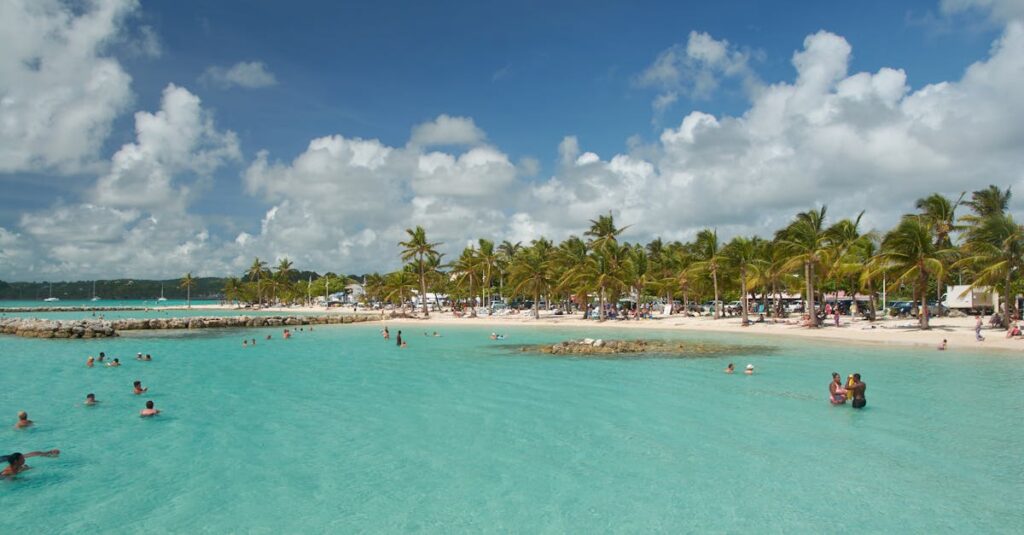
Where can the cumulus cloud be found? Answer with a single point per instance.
(59, 91)
(1000, 10)
(695, 69)
(447, 130)
(244, 74)
(853, 140)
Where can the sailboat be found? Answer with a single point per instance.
(94, 296)
(162, 298)
(51, 299)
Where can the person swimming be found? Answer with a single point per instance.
(102, 356)
(114, 363)
(749, 370)
(245, 343)
(138, 356)
(90, 399)
(16, 461)
(138, 388)
(149, 410)
(836, 392)
(859, 387)
(730, 368)
(23, 421)
(89, 362)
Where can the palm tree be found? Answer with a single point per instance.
(419, 249)
(909, 251)
(742, 254)
(940, 213)
(570, 258)
(232, 289)
(602, 231)
(506, 252)
(988, 202)
(400, 285)
(466, 271)
(804, 242)
(530, 274)
(605, 270)
(709, 253)
(487, 259)
(255, 273)
(994, 248)
(187, 282)
(282, 277)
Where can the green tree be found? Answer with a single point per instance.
(994, 249)
(805, 243)
(741, 254)
(910, 253)
(255, 274)
(709, 263)
(418, 249)
(530, 274)
(187, 282)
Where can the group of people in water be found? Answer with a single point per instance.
(838, 393)
(16, 461)
(853, 390)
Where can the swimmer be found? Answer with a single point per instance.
(942, 346)
(494, 336)
(16, 461)
(253, 341)
(403, 344)
(23, 421)
(148, 357)
(268, 337)
(245, 343)
(385, 333)
(138, 388)
(102, 356)
(138, 356)
(730, 368)
(113, 364)
(89, 362)
(90, 399)
(436, 335)
(149, 410)
(749, 370)
(836, 392)
(858, 392)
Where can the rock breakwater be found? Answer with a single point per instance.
(683, 349)
(90, 328)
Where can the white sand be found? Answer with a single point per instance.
(959, 332)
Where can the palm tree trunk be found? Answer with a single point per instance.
(600, 311)
(923, 313)
(809, 272)
(188, 295)
(536, 305)
(743, 288)
(1006, 300)
(423, 291)
(714, 278)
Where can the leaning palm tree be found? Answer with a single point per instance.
(994, 249)
(570, 258)
(530, 274)
(187, 282)
(709, 254)
(940, 212)
(804, 242)
(417, 248)
(466, 271)
(487, 259)
(232, 289)
(988, 202)
(255, 274)
(910, 253)
(506, 252)
(603, 231)
(400, 285)
(741, 254)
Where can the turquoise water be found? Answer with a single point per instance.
(131, 310)
(104, 303)
(338, 431)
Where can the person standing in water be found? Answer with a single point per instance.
(730, 368)
(90, 399)
(398, 339)
(836, 392)
(149, 410)
(23, 421)
(858, 388)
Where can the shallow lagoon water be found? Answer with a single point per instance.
(336, 430)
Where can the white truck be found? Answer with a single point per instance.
(983, 300)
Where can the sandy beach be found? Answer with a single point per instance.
(959, 332)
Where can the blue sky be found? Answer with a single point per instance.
(527, 75)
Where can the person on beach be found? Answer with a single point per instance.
(749, 370)
(858, 389)
(138, 388)
(977, 330)
(730, 368)
(836, 392)
(90, 399)
(16, 461)
(835, 313)
(89, 362)
(149, 410)
(942, 346)
(114, 363)
(23, 421)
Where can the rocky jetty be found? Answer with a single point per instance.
(601, 347)
(90, 328)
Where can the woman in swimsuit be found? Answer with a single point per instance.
(836, 392)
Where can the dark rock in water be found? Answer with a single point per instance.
(663, 348)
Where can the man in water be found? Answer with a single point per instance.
(730, 368)
(138, 388)
(858, 389)
(398, 339)
(90, 361)
(149, 410)
(23, 421)
(90, 399)
(102, 356)
(16, 461)
(115, 363)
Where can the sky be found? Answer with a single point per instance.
(150, 139)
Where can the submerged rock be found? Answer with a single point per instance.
(676, 348)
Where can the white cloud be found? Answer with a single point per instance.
(447, 130)
(695, 69)
(59, 93)
(179, 138)
(1002, 10)
(244, 74)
